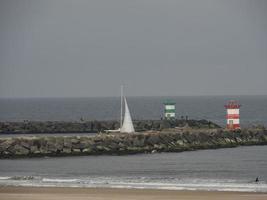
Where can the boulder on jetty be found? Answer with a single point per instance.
(169, 140)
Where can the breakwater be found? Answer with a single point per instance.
(96, 126)
(172, 140)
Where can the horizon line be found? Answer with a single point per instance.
(59, 97)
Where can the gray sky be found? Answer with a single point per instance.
(64, 48)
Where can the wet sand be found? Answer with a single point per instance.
(46, 193)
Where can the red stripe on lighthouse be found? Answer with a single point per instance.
(232, 116)
(233, 126)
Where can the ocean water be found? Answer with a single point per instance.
(232, 169)
(253, 110)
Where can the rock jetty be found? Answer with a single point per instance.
(96, 126)
(168, 140)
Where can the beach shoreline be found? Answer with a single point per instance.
(64, 193)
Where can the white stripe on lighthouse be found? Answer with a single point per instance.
(232, 111)
(235, 121)
(169, 107)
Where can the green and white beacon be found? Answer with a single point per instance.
(169, 109)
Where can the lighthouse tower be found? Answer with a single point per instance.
(169, 109)
(232, 116)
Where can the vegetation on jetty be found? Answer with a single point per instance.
(169, 140)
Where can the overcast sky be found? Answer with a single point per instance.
(84, 48)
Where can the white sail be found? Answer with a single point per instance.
(127, 126)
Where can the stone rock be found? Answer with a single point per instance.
(6, 144)
(43, 150)
(74, 141)
(99, 148)
(51, 147)
(76, 150)
(34, 149)
(138, 142)
(154, 151)
(67, 143)
(26, 144)
(86, 150)
(66, 150)
(18, 150)
(153, 139)
(180, 142)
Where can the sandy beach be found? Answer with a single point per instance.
(45, 193)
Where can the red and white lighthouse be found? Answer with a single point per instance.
(232, 116)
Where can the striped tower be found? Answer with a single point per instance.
(169, 109)
(232, 116)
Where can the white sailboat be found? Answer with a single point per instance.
(126, 126)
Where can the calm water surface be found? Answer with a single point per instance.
(253, 110)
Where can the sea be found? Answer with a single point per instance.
(229, 169)
(253, 109)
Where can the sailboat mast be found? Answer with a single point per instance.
(121, 105)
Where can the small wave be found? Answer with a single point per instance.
(137, 183)
(4, 177)
(56, 180)
(21, 178)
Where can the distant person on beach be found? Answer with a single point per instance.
(257, 180)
